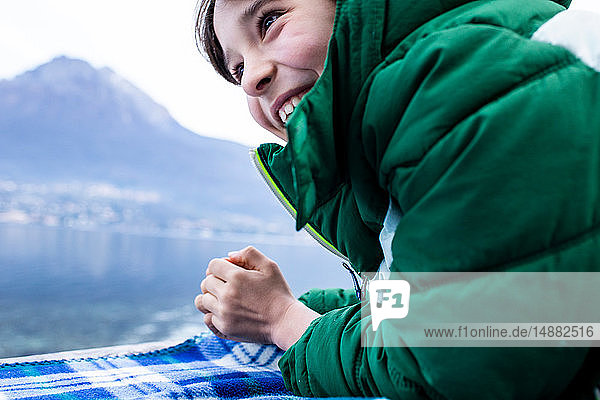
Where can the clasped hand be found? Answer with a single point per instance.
(246, 298)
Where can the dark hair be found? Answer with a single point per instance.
(206, 39)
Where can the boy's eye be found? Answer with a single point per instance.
(265, 22)
(268, 21)
(238, 72)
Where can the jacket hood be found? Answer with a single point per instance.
(317, 131)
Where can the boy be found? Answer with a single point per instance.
(441, 121)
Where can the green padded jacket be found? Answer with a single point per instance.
(489, 145)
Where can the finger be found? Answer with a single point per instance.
(212, 284)
(223, 269)
(209, 324)
(216, 327)
(210, 303)
(250, 258)
(199, 305)
(216, 323)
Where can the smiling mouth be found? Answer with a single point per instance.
(288, 107)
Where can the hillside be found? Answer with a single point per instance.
(81, 146)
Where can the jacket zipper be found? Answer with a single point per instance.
(264, 173)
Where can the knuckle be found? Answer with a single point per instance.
(212, 263)
(207, 302)
(251, 250)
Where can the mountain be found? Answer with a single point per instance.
(70, 133)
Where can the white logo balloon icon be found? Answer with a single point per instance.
(389, 300)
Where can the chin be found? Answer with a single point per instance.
(281, 134)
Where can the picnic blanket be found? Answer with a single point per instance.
(204, 366)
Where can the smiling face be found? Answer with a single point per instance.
(276, 50)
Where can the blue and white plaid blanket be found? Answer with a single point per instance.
(202, 367)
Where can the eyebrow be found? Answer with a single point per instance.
(254, 7)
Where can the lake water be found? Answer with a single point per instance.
(65, 289)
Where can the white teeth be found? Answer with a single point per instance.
(282, 115)
(288, 108)
(285, 111)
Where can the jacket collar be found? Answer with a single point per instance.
(316, 129)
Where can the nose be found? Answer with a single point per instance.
(257, 77)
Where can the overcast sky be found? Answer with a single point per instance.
(149, 42)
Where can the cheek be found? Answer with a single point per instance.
(261, 118)
(306, 52)
(307, 49)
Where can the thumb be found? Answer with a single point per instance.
(250, 258)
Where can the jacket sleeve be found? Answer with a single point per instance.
(491, 150)
(328, 360)
(325, 300)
